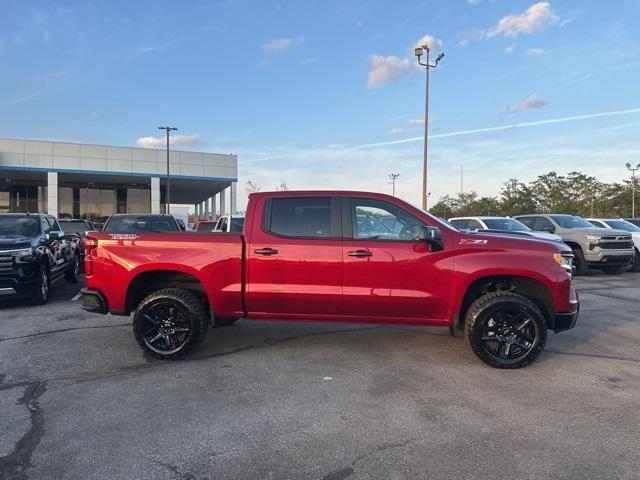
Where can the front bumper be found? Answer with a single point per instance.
(603, 257)
(93, 301)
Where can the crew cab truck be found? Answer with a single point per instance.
(310, 256)
(34, 252)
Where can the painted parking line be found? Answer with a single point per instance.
(75, 299)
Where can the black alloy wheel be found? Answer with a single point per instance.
(170, 323)
(506, 330)
(41, 290)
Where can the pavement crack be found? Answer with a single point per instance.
(14, 466)
(63, 330)
(176, 471)
(593, 355)
(345, 472)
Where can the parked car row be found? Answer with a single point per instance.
(610, 245)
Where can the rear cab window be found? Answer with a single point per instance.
(302, 217)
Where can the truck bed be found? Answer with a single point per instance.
(213, 259)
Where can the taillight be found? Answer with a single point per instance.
(90, 244)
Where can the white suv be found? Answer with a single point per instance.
(500, 224)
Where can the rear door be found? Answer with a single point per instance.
(294, 259)
(389, 275)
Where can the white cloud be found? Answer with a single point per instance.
(58, 74)
(395, 131)
(434, 44)
(473, 2)
(307, 62)
(386, 70)
(529, 103)
(536, 17)
(187, 141)
(278, 45)
(535, 52)
(510, 48)
(470, 35)
(94, 116)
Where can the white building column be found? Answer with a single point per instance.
(214, 206)
(155, 195)
(52, 193)
(233, 198)
(223, 202)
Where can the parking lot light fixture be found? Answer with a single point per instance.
(419, 52)
(168, 199)
(633, 188)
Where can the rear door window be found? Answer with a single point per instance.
(300, 217)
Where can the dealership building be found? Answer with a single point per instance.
(77, 180)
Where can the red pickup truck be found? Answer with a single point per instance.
(333, 256)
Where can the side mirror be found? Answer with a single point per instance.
(433, 236)
(549, 229)
(55, 235)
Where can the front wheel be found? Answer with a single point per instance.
(505, 329)
(170, 323)
(579, 262)
(635, 266)
(41, 290)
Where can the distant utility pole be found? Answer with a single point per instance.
(419, 51)
(168, 199)
(633, 188)
(461, 177)
(393, 177)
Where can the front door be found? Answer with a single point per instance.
(389, 275)
(294, 257)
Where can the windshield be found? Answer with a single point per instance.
(571, 221)
(236, 225)
(75, 227)
(142, 223)
(507, 224)
(623, 225)
(19, 226)
(205, 226)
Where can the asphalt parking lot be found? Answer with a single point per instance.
(79, 399)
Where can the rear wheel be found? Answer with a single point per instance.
(73, 274)
(579, 261)
(170, 323)
(505, 329)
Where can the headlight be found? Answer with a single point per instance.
(565, 260)
(21, 252)
(593, 238)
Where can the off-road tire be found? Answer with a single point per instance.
(635, 266)
(484, 307)
(73, 274)
(225, 321)
(579, 262)
(194, 312)
(40, 294)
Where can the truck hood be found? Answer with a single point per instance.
(603, 232)
(516, 240)
(10, 242)
(546, 236)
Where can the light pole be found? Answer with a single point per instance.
(419, 51)
(393, 177)
(168, 199)
(633, 188)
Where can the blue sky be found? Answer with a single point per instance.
(325, 94)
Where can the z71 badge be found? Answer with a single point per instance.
(472, 241)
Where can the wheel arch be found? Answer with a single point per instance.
(573, 245)
(145, 282)
(528, 287)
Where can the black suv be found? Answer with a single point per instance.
(33, 253)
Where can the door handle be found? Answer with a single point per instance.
(266, 251)
(360, 254)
